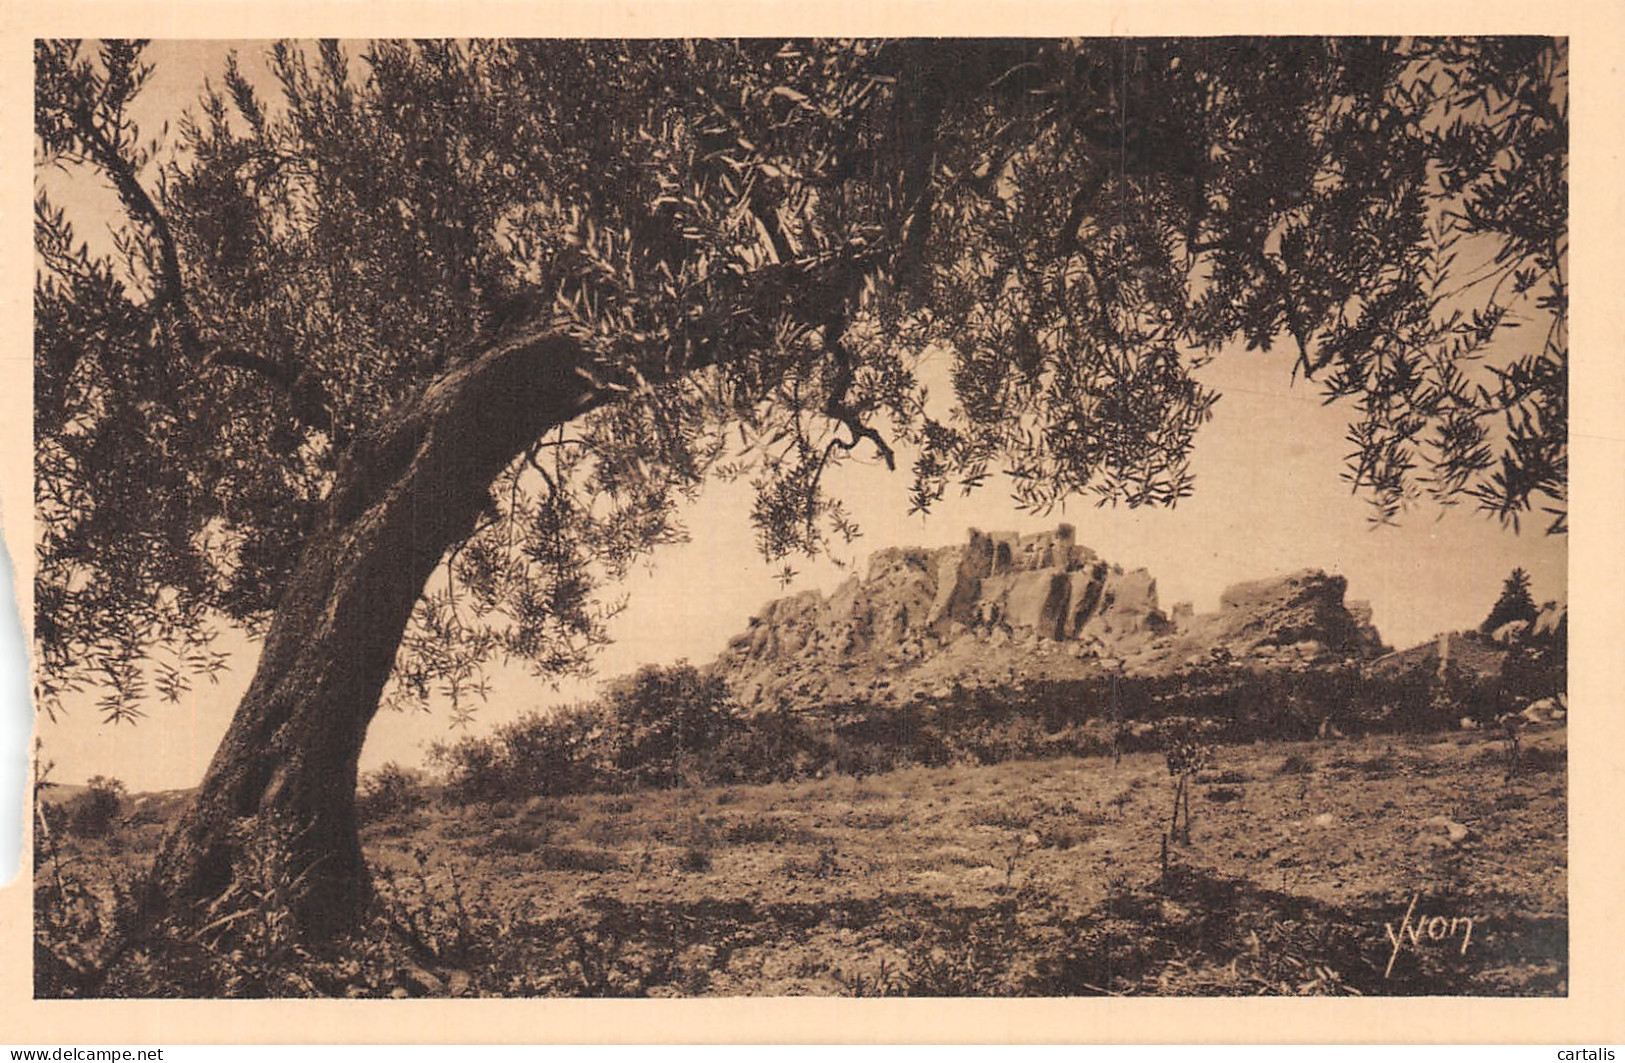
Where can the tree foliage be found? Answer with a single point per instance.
(755, 243)
(659, 727)
(1515, 603)
(92, 814)
(665, 723)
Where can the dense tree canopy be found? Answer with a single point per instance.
(752, 240)
(587, 275)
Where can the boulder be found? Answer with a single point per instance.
(1452, 831)
(1542, 710)
(1510, 632)
(1552, 621)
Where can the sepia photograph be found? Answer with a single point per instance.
(933, 516)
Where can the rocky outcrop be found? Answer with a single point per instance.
(1470, 653)
(1511, 633)
(1007, 607)
(1523, 656)
(1552, 622)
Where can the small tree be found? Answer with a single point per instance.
(1188, 749)
(473, 769)
(1515, 603)
(93, 813)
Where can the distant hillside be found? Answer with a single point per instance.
(1478, 653)
(61, 793)
(1469, 651)
(1009, 608)
(160, 804)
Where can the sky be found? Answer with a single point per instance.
(1269, 500)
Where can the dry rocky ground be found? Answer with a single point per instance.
(1032, 877)
(1042, 876)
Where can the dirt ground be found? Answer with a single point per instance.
(1036, 877)
(1394, 865)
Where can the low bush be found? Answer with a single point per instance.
(695, 858)
(1064, 836)
(94, 813)
(665, 727)
(766, 830)
(1297, 764)
(571, 858)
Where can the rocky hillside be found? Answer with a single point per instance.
(1006, 607)
(1541, 642)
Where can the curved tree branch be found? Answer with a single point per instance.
(309, 405)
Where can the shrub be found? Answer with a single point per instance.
(695, 858)
(698, 838)
(521, 840)
(571, 858)
(1381, 765)
(669, 726)
(778, 746)
(474, 769)
(1064, 836)
(765, 830)
(93, 813)
(558, 752)
(666, 726)
(825, 865)
(550, 754)
(1297, 764)
(1545, 760)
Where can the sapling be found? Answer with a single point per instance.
(1187, 752)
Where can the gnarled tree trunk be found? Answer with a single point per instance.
(280, 791)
